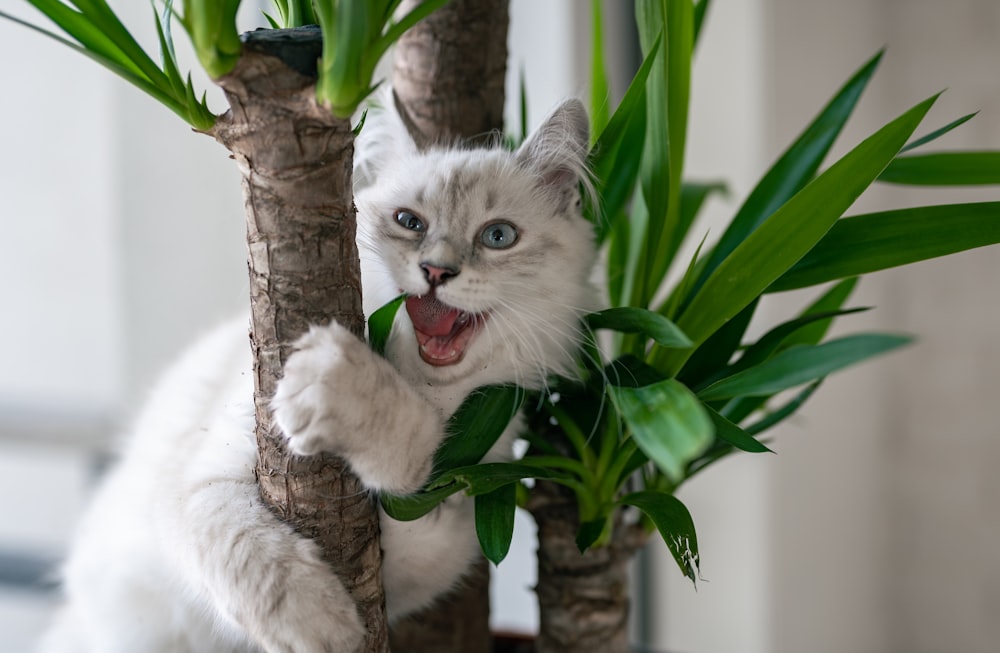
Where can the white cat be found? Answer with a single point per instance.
(178, 554)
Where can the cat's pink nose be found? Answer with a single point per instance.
(437, 275)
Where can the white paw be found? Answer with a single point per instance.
(338, 396)
(315, 403)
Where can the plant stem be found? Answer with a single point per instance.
(449, 71)
(296, 163)
(583, 598)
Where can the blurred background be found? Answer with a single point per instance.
(873, 529)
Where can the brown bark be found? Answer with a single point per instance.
(296, 163)
(449, 71)
(582, 598)
(448, 75)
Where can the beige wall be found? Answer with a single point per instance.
(886, 497)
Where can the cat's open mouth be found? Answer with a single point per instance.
(443, 332)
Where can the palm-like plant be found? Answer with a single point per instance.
(679, 388)
(676, 386)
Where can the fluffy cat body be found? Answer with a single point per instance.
(177, 552)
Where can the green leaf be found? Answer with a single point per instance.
(600, 95)
(700, 10)
(693, 196)
(630, 372)
(212, 29)
(477, 424)
(793, 170)
(617, 152)
(415, 506)
(667, 422)
(732, 434)
(938, 133)
(944, 169)
(380, 324)
(832, 300)
(667, 97)
(487, 477)
(495, 521)
(789, 234)
(101, 37)
(715, 353)
(475, 480)
(673, 521)
(629, 319)
(877, 241)
(590, 532)
(800, 365)
(775, 340)
(779, 415)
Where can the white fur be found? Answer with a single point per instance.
(178, 554)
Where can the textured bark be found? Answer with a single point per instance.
(582, 598)
(296, 163)
(449, 71)
(448, 76)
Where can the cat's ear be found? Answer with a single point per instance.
(557, 151)
(384, 138)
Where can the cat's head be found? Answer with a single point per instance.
(490, 248)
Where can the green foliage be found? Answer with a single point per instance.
(356, 33)
(95, 31)
(211, 24)
(678, 387)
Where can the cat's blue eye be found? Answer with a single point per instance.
(499, 235)
(410, 221)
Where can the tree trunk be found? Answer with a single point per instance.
(448, 75)
(449, 71)
(296, 160)
(582, 598)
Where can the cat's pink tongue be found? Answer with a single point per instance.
(431, 317)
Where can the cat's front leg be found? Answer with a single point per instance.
(340, 397)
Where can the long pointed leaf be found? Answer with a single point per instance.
(667, 98)
(617, 151)
(831, 300)
(716, 352)
(793, 230)
(944, 169)
(793, 170)
(733, 435)
(800, 365)
(774, 340)
(675, 525)
(938, 133)
(700, 11)
(877, 241)
(600, 95)
(782, 413)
